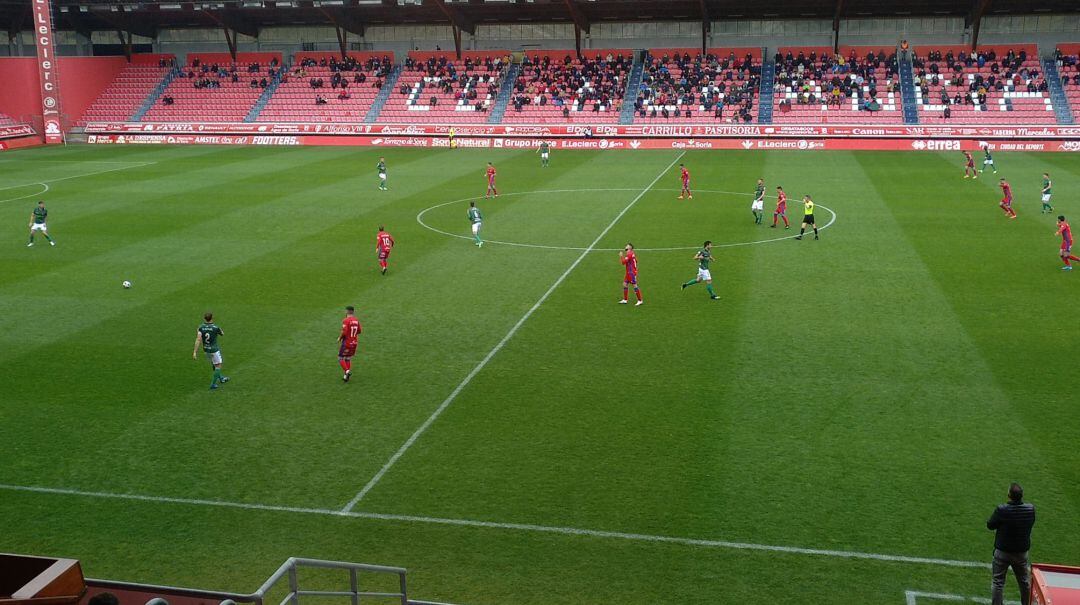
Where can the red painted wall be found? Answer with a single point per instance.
(20, 95)
(82, 79)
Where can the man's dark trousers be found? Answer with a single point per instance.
(1021, 568)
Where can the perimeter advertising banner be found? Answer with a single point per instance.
(47, 70)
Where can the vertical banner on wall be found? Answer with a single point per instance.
(47, 71)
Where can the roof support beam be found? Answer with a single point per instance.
(706, 26)
(342, 41)
(457, 41)
(345, 20)
(580, 20)
(234, 21)
(125, 23)
(975, 19)
(836, 25)
(458, 20)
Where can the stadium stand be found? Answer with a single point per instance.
(434, 87)
(995, 85)
(126, 93)
(348, 87)
(679, 84)
(214, 89)
(857, 85)
(1068, 61)
(556, 87)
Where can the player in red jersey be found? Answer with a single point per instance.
(781, 208)
(384, 243)
(1066, 243)
(350, 330)
(1006, 202)
(491, 181)
(969, 166)
(685, 176)
(629, 260)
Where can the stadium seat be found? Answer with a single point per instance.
(591, 89)
(126, 93)
(458, 87)
(294, 99)
(681, 85)
(1010, 77)
(857, 85)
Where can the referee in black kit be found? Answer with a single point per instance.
(1013, 522)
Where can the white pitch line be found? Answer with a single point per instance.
(23, 197)
(498, 347)
(420, 219)
(78, 176)
(912, 598)
(525, 527)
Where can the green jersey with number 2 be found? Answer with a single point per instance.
(209, 333)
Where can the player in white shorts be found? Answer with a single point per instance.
(758, 205)
(37, 223)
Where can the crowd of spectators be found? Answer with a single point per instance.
(706, 83)
(834, 79)
(343, 73)
(589, 84)
(960, 79)
(464, 82)
(1068, 68)
(210, 76)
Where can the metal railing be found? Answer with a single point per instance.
(289, 571)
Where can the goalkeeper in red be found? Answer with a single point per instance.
(350, 332)
(684, 174)
(629, 261)
(1066, 243)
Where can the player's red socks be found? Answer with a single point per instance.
(382, 264)
(637, 292)
(344, 364)
(625, 293)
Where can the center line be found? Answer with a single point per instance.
(498, 347)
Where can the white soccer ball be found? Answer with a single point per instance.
(126, 284)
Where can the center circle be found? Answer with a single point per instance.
(420, 219)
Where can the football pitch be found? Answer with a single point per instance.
(836, 428)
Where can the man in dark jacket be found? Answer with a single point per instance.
(1013, 522)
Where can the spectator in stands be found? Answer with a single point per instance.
(947, 113)
(1012, 523)
(319, 100)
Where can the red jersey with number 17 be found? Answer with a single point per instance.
(384, 241)
(350, 329)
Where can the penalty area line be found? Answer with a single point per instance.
(523, 527)
(498, 347)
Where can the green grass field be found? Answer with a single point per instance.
(871, 393)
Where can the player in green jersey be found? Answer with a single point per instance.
(37, 223)
(477, 221)
(988, 160)
(1046, 193)
(808, 217)
(703, 257)
(758, 205)
(382, 174)
(207, 338)
(544, 150)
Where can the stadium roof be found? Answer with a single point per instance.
(249, 16)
